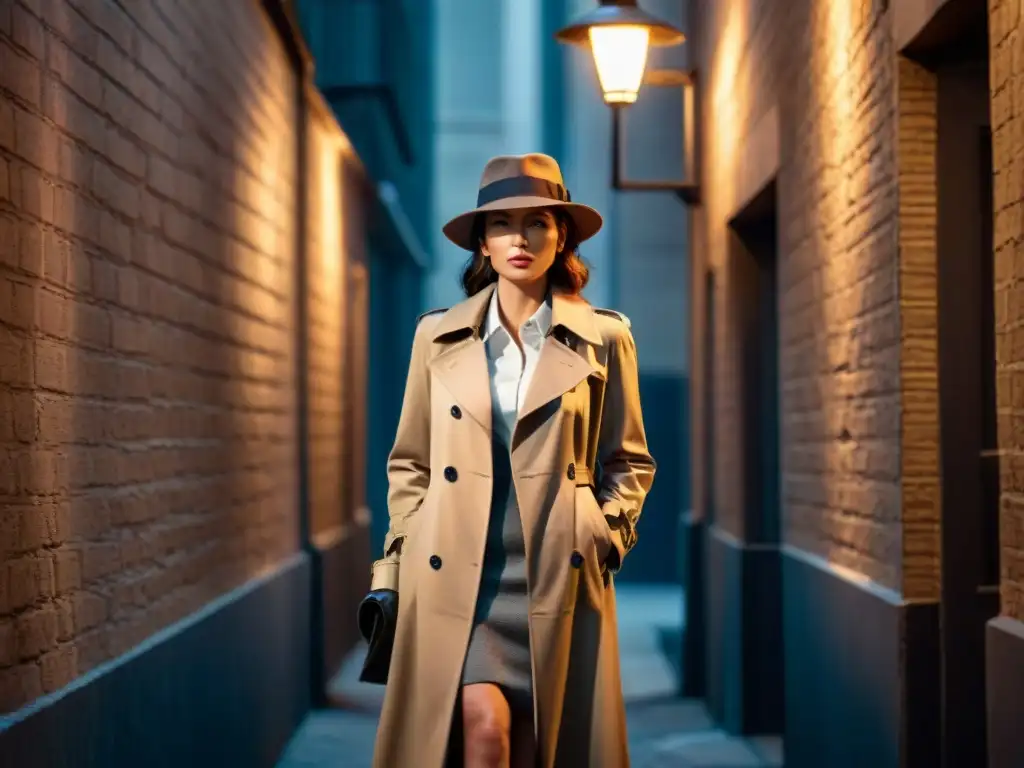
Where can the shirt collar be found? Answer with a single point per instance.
(537, 326)
(572, 313)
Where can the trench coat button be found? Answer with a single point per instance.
(450, 474)
(571, 474)
(456, 412)
(435, 562)
(576, 560)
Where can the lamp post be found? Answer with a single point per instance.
(620, 34)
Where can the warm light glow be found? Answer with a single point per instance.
(620, 53)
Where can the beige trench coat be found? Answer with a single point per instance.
(581, 412)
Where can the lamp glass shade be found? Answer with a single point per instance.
(620, 54)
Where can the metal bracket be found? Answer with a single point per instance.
(688, 189)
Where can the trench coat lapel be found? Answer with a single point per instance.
(560, 367)
(462, 370)
(462, 367)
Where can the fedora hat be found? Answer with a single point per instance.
(522, 181)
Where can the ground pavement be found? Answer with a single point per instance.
(664, 731)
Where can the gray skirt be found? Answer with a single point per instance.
(499, 646)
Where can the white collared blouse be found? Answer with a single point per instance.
(511, 369)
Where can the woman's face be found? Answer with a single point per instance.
(522, 244)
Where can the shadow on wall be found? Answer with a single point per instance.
(666, 402)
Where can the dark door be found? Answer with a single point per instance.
(755, 254)
(966, 334)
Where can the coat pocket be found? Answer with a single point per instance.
(420, 521)
(592, 530)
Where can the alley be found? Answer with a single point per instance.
(222, 222)
(665, 731)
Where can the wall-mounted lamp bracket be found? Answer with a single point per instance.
(687, 187)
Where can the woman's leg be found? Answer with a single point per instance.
(524, 742)
(486, 721)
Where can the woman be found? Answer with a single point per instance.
(516, 479)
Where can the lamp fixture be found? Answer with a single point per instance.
(620, 34)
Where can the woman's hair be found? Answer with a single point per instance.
(568, 274)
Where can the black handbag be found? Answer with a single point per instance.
(378, 617)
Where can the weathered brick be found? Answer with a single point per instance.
(23, 581)
(51, 365)
(90, 610)
(18, 685)
(16, 359)
(36, 631)
(67, 570)
(20, 74)
(8, 643)
(6, 125)
(99, 560)
(1007, 84)
(58, 667)
(34, 195)
(846, 300)
(27, 32)
(5, 182)
(17, 306)
(857, 122)
(146, 252)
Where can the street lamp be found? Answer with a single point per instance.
(619, 35)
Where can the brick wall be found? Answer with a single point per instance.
(921, 497)
(147, 445)
(1006, 36)
(336, 306)
(830, 70)
(325, 310)
(736, 51)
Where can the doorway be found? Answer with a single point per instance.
(756, 230)
(967, 405)
(745, 687)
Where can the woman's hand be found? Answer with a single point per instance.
(627, 467)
